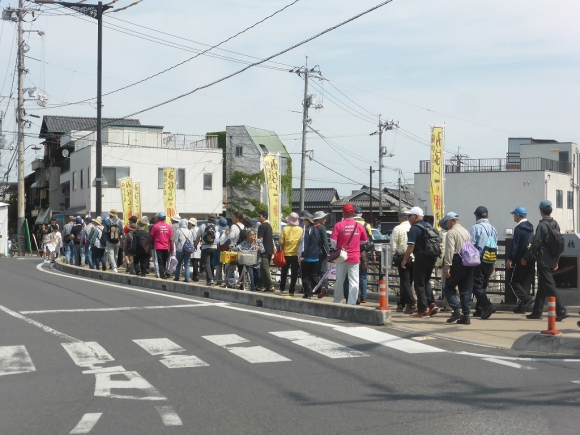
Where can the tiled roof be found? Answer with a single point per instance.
(390, 199)
(59, 125)
(324, 195)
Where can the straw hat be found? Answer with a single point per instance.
(293, 219)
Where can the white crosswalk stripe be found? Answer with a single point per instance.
(14, 360)
(171, 352)
(253, 354)
(319, 345)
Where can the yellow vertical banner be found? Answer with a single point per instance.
(272, 175)
(437, 172)
(127, 198)
(169, 192)
(137, 199)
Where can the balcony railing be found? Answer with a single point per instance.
(512, 163)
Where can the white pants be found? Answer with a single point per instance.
(341, 272)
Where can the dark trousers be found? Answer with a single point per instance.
(546, 287)
(162, 257)
(322, 269)
(292, 264)
(266, 278)
(195, 267)
(422, 270)
(480, 280)
(206, 259)
(521, 281)
(406, 280)
(141, 263)
(309, 278)
(461, 277)
(98, 257)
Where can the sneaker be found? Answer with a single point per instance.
(175, 279)
(486, 314)
(433, 309)
(210, 283)
(563, 315)
(529, 304)
(400, 308)
(306, 296)
(322, 293)
(454, 317)
(291, 294)
(519, 309)
(363, 300)
(464, 320)
(578, 323)
(358, 302)
(421, 314)
(477, 313)
(115, 271)
(536, 316)
(410, 309)
(185, 280)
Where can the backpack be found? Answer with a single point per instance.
(132, 248)
(114, 233)
(489, 254)
(555, 243)
(138, 240)
(432, 241)
(242, 235)
(470, 254)
(93, 236)
(78, 237)
(367, 246)
(209, 234)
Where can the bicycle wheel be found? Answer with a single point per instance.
(231, 275)
(246, 279)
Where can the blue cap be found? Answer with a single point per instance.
(545, 203)
(442, 223)
(78, 220)
(357, 210)
(521, 211)
(449, 216)
(161, 215)
(222, 222)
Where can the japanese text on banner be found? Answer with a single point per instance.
(127, 198)
(137, 199)
(169, 192)
(437, 174)
(272, 174)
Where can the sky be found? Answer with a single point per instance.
(488, 70)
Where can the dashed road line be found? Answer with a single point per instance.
(87, 423)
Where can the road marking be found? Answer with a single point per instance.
(257, 354)
(134, 381)
(87, 423)
(253, 354)
(512, 358)
(38, 324)
(576, 382)
(167, 348)
(88, 310)
(319, 345)
(226, 339)
(14, 360)
(508, 363)
(169, 416)
(388, 340)
(87, 354)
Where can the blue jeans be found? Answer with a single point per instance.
(182, 258)
(99, 257)
(69, 252)
(89, 255)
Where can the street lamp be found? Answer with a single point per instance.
(96, 12)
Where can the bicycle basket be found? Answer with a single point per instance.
(248, 258)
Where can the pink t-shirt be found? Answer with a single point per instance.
(342, 232)
(162, 234)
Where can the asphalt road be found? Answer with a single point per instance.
(161, 363)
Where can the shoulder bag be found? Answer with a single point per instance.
(188, 247)
(339, 256)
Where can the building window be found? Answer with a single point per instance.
(180, 178)
(559, 199)
(570, 202)
(82, 179)
(111, 175)
(207, 181)
(264, 149)
(563, 156)
(74, 180)
(239, 151)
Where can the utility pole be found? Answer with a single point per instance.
(387, 125)
(371, 172)
(20, 122)
(307, 102)
(400, 202)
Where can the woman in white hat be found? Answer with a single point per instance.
(289, 243)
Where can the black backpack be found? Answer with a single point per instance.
(432, 241)
(555, 243)
(209, 234)
(242, 235)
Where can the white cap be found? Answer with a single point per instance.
(416, 211)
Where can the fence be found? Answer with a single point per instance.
(500, 165)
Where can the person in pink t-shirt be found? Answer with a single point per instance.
(161, 235)
(341, 234)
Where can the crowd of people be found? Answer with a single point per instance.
(466, 260)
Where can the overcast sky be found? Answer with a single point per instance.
(489, 69)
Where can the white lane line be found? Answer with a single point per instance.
(576, 382)
(257, 354)
(226, 339)
(38, 324)
(87, 423)
(14, 360)
(167, 348)
(512, 358)
(319, 345)
(88, 310)
(169, 416)
(87, 354)
(508, 363)
(388, 340)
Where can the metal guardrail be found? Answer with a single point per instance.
(500, 165)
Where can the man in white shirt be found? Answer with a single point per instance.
(236, 227)
(407, 300)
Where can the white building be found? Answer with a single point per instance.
(533, 170)
(141, 152)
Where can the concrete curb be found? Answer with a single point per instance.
(556, 344)
(329, 310)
